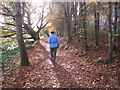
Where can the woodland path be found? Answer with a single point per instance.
(66, 72)
(62, 73)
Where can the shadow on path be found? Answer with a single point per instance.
(64, 77)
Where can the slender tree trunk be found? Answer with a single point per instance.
(79, 20)
(61, 28)
(110, 34)
(68, 20)
(115, 21)
(29, 20)
(96, 15)
(84, 29)
(69, 30)
(23, 52)
(118, 38)
(75, 16)
(116, 17)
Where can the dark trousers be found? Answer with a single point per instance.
(53, 52)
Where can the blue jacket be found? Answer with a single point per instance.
(53, 41)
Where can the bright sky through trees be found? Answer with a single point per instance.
(1, 19)
(40, 5)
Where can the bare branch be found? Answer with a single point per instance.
(39, 28)
(7, 14)
(8, 29)
(38, 21)
(5, 8)
(8, 24)
(28, 38)
(44, 25)
(8, 35)
(42, 16)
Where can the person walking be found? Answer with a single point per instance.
(54, 44)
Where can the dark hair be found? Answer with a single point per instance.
(52, 32)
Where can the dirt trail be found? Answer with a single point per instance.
(66, 72)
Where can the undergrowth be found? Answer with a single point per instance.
(8, 62)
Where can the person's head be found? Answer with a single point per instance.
(52, 32)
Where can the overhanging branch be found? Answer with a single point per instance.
(8, 35)
(7, 14)
(39, 28)
(8, 24)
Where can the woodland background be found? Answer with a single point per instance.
(90, 30)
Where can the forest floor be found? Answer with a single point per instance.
(70, 70)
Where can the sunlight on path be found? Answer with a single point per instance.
(49, 62)
(46, 45)
(51, 76)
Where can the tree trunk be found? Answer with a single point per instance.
(79, 21)
(110, 34)
(33, 34)
(96, 15)
(75, 5)
(68, 20)
(23, 52)
(115, 21)
(84, 29)
(116, 17)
